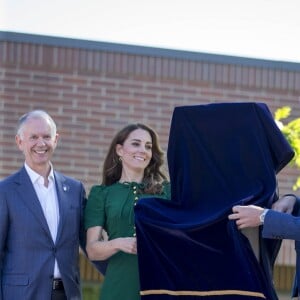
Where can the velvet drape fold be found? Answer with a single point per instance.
(219, 155)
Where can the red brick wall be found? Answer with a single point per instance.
(92, 92)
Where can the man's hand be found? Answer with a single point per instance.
(246, 216)
(285, 204)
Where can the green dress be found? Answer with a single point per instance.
(112, 207)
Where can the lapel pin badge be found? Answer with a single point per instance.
(65, 188)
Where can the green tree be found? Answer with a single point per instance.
(291, 131)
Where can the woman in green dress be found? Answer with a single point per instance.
(132, 170)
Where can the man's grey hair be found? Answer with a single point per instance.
(35, 114)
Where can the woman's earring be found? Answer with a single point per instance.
(120, 159)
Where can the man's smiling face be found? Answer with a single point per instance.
(38, 142)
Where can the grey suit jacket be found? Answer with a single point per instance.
(27, 251)
(281, 226)
(285, 226)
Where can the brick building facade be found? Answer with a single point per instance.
(93, 88)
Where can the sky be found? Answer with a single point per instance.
(264, 29)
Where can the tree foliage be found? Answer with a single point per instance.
(291, 131)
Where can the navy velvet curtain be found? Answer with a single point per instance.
(219, 155)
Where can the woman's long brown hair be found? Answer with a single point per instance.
(153, 175)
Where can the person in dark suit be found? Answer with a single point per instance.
(280, 222)
(40, 220)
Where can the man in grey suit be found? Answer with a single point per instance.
(40, 220)
(280, 222)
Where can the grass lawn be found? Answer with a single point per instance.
(90, 291)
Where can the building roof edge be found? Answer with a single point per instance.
(145, 50)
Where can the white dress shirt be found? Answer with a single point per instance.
(48, 199)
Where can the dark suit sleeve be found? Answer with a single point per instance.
(285, 226)
(99, 265)
(281, 226)
(82, 236)
(296, 210)
(3, 232)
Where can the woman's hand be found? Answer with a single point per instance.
(126, 244)
(99, 249)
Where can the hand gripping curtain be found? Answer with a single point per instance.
(219, 155)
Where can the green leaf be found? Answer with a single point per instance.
(291, 131)
(282, 113)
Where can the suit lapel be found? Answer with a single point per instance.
(62, 189)
(29, 197)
